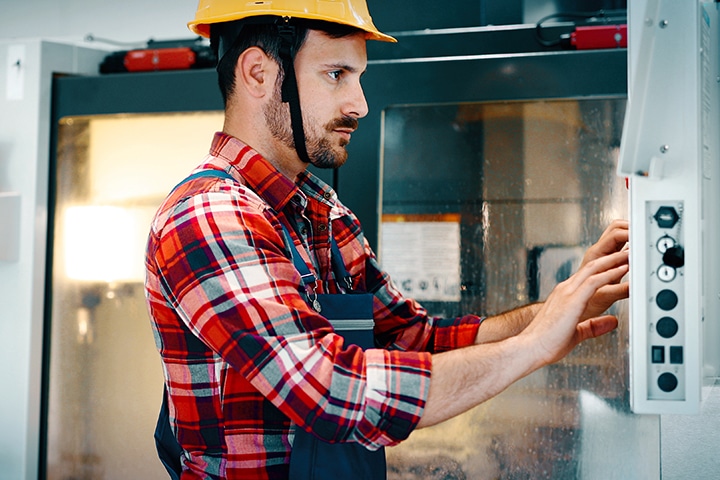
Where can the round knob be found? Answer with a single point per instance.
(666, 299)
(667, 382)
(667, 327)
(674, 257)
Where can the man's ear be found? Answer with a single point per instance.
(255, 72)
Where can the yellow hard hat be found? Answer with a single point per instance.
(347, 12)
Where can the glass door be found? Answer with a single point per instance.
(485, 207)
(104, 374)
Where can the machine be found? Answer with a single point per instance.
(669, 154)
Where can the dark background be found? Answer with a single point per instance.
(401, 15)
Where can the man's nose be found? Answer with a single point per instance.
(356, 105)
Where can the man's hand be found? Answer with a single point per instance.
(465, 377)
(613, 239)
(563, 320)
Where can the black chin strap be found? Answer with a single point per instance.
(290, 93)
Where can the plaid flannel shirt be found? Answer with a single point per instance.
(246, 360)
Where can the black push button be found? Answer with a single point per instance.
(667, 382)
(667, 327)
(676, 355)
(658, 354)
(666, 299)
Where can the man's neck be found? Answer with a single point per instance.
(285, 159)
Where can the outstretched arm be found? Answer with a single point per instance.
(505, 325)
(464, 378)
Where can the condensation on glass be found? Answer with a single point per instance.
(519, 189)
(105, 376)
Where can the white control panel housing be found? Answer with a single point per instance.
(669, 153)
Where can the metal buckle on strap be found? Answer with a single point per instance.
(310, 287)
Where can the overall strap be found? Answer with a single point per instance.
(308, 278)
(339, 265)
(205, 173)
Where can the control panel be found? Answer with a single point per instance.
(669, 154)
(665, 321)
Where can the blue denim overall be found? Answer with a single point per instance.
(311, 458)
(351, 316)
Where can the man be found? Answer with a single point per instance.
(242, 261)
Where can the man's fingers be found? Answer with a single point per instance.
(596, 327)
(593, 285)
(613, 239)
(615, 291)
(615, 262)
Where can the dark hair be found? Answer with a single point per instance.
(228, 40)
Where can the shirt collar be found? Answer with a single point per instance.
(266, 180)
(254, 170)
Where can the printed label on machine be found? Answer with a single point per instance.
(423, 258)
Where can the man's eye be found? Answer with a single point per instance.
(335, 74)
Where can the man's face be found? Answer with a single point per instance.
(328, 72)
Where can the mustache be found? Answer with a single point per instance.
(343, 122)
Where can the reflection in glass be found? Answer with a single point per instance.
(531, 185)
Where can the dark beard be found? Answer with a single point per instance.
(321, 153)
